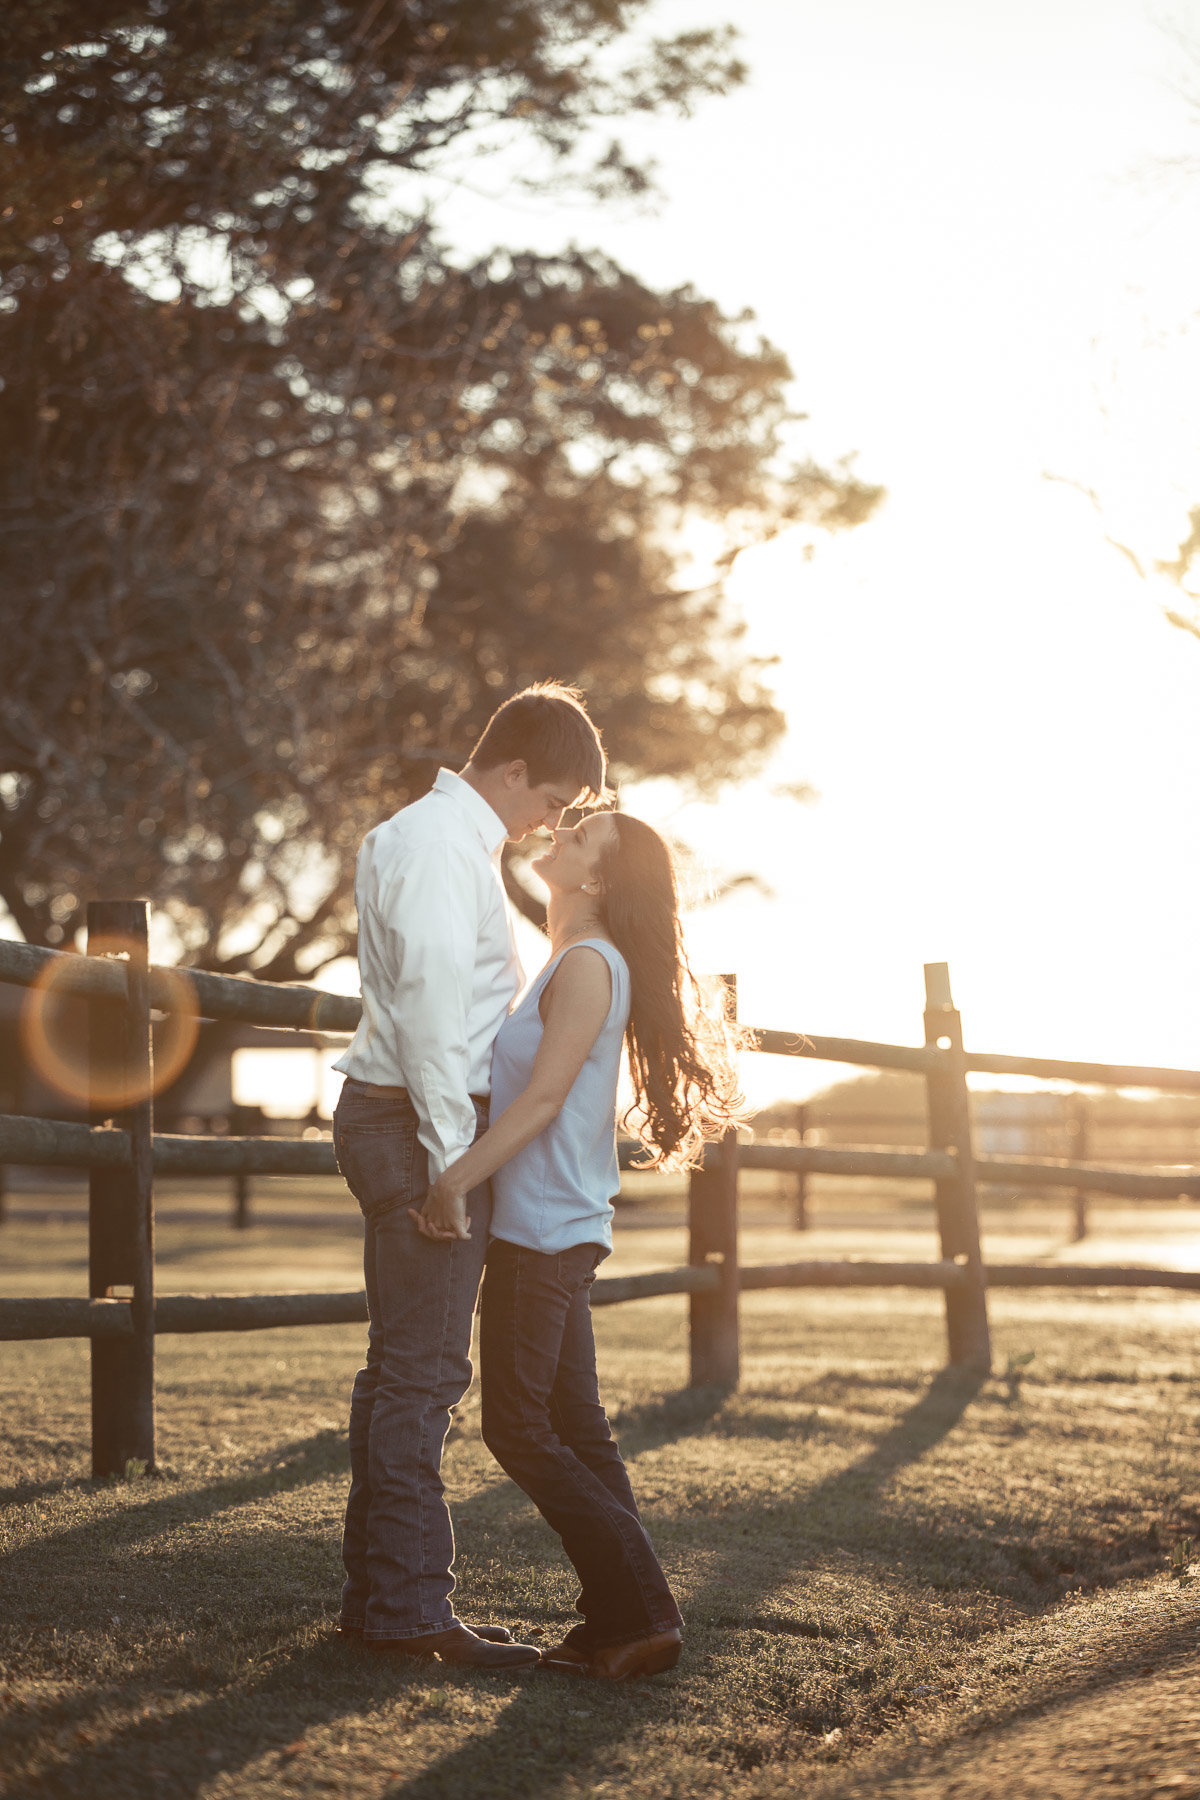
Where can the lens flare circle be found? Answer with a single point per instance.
(56, 1036)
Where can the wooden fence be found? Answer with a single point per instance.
(1047, 1126)
(122, 1316)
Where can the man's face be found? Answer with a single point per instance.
(529, 807)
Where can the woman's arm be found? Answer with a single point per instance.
(574, 1008)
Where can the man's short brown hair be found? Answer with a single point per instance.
(547, 728)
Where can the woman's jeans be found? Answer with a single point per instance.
(545, 1425)
(398, 1545)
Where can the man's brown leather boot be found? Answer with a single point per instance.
(458, 1645)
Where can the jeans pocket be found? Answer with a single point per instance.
(377, 1163)
(576, 1268)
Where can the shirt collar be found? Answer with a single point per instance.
(490, 826)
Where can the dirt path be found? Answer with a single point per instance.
(1107, 1702)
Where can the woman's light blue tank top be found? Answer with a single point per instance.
(558, 1191)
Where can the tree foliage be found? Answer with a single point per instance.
(291, 495)
(1184, 570)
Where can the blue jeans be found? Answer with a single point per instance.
(398, 1543)
(544, 1422)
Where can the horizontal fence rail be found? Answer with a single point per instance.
(1086, 1074)
(57, 1317)
(1089, 1275)
(1179, 1182)
(57, 1143)
(839, 1049)
(68, 1144)
(288, 1006)
(851, 1272)
(62, 1318)
(815, 1159)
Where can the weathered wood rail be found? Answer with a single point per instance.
(122, 1315)
(63, 1144)
(61, 1318)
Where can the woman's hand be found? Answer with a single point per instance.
(442, 1215)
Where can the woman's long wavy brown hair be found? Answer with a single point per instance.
(681, 1046)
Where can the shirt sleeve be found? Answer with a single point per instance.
(428, 910)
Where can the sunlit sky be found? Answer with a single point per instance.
(965, 226)
(972, 230)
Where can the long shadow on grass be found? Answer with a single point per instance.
(1022, 1570)
(162, 1503)
(156, 1507)
(844, 1511)
(179, 1750)
(551, 1727)
(848, 1513)
(493, 1765)
(922, 1427)
(287, 1688)
(525, 1753)
(671, 1416)
(556, 1732)
(540, 1750)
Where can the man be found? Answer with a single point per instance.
(439, 971)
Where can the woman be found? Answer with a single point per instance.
(617, 971)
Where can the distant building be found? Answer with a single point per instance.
(1018, 1124)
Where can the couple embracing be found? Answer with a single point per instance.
(468, 1128)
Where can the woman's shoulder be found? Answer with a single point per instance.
(586, 960)
(592, 952)
(592, 968)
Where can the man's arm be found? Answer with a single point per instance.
(428, 914)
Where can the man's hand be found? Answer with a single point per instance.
(443, 1213)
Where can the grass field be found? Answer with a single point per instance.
(877, 1562)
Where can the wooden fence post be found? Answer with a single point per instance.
(11, 1101)
(1077, 1127)
(967, 1333)
(713, 1239)
(241, 1202)
(121, 1201)
(240, 1118)
(800, 1198)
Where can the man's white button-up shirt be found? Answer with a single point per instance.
(438, 960)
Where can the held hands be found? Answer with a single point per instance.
(442, 1216)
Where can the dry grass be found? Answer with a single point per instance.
(869, 1555)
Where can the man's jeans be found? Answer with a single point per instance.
(545, 1425)
(398, 1544)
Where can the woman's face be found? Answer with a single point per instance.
(574, 862)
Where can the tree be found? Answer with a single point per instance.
(292, 496)
(1184, 570)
